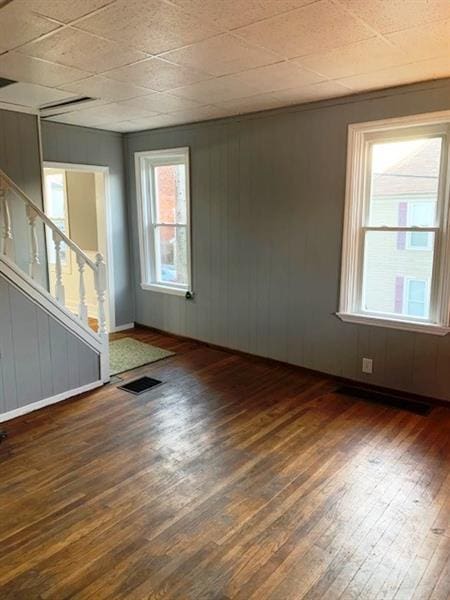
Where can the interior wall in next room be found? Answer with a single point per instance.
(80, 145)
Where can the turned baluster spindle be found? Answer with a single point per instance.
(59, 285)
(7, 236)
(34, 261)
(100, 288)
(83, 309)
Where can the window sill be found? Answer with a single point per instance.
(412, 326)
(164, 289)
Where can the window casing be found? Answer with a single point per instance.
(396, 223)
(163, 198)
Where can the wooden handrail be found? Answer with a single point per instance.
(41, 214)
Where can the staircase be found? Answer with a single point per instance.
(30, 281)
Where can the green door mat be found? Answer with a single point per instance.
(127, 353)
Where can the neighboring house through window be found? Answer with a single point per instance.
(395, 262)
(162, 182)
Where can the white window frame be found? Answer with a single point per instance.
(360, 138)
(146, 209)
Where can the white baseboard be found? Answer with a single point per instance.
(23, 410)
(122, 327)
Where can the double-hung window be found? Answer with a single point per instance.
(162, 185)
(395, 259)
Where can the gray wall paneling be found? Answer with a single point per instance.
(267, 210)
(40, 358)
(20, 159)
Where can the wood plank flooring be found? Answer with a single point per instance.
(236, 479)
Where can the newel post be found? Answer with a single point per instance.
(7, 236)
(34, 262)
(100, 288)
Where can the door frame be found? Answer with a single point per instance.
(104, 226)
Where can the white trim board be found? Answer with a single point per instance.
(123, 327)
(23, 410)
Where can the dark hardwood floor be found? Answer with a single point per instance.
(238, 478)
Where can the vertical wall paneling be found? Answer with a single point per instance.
(39, 357)
(19, 158)
(267, 214)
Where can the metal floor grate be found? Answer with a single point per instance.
(139, 386)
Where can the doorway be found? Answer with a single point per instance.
(76, 198)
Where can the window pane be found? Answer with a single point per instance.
(170, 187)
(396, 279)
(171, 255)
(404, 182)
(417, 297)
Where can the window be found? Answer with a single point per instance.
(162, 179)
(56, 209)
(421, 214)
(417, 298)
(395, 259)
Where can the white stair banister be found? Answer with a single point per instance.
(7, 237)
(34, 212)
(82, 308)
(100, 288)
(60, 293)
(34, 262)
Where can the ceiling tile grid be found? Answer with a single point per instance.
(156, 63)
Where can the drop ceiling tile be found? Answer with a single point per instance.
(121, 126)
(361, 57)
(156, 74)
(424, 42)
(162, 102)
(424, 70)
(103, 115)
(19, 25)
(276, 77)
(32, 95)
(107, 89)
(202, 113)
(394, 15)
(229, 15)
(76, 118)
(300, 32)
(215, 90)
(221, 55)
(64, 10)
(14, 65)
(70, 108)
(153, 26)
(252, 103)
(151, 122)
(311, 93)
(82, 51)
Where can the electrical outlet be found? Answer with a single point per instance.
(367, 365)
